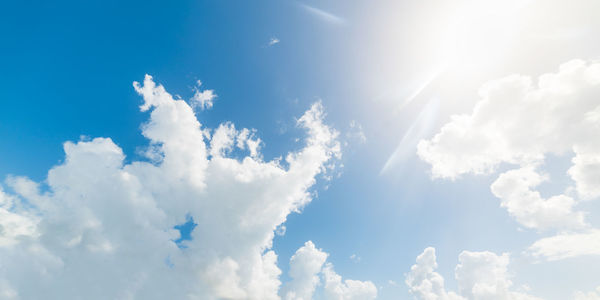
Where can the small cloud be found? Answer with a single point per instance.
(202, 98)
(273, 41)
(392, 283)
(356, 132)
(280, 230)
(354, 258)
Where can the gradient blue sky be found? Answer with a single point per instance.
(68, 67)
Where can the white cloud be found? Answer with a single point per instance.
(202, 98)
(567, 245)
(520, 123)
(348, 289)
(273, 41)
(356, 132)
(102, 227)
(529, 208)
(484, 275)
(14, 226)
(305, 266)
(480, 275)
(426, 284)
(586, 168)
(280, 230)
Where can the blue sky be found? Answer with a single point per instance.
(379, 69)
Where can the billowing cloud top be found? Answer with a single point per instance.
(101, 228)
(480, 275)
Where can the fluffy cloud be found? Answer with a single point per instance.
(484, 275)
(202, 99)
(305, 266)
(567, 245)
(101, 227)
(424, 282)
(520, 123)
(348, 289)
(514, 188)
(480, 275)
(308, 265)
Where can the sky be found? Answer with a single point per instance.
(432, 149)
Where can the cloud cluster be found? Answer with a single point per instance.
(519, 123)
(480, 275)
(424, 282)
(348, 289)
(305, 266)
(308, 265)
(102, 227)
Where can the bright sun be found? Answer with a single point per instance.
(478, 32)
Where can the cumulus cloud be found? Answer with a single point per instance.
(519, 123)
(305, 266)
(514, 188)
(426, 284)
(202, 99)
(102, 227)
(484, 275)
(480, 275)
(308, 265)
(348, 289)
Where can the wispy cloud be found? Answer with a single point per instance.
(323, 15)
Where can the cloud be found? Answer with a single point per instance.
(305, 266)
(519, 123)
(273, 41)
(567, 245)
(202, 99)
(280, 230)
(336, 289)
(480, 275)
(102, 226)
(484, 275)
(356, 133)
(323, 15)
(426, 284)
(529, 207)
